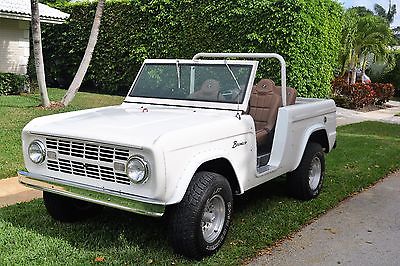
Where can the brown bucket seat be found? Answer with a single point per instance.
(264, 105)
(291, 94)
(209, 91)
(265, 101)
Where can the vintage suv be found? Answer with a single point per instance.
(189, 135)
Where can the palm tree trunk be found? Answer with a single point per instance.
(37, 52)
(353, 68)
(364, 66)
(80, 74)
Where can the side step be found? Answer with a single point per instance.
(262, 160)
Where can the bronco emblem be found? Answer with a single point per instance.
(237, 144)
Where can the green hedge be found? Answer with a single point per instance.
(11, 83)
(306, 33)
(394, 75)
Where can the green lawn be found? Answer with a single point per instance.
(366, 152)
(17, 111)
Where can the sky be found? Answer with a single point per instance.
(370, 5)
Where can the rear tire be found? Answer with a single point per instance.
(200, 222)
(65, 209)
(305, 182)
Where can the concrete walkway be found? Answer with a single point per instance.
(362, 230)
(388, 115)
(12, 192)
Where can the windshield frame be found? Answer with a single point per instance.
(196, 103)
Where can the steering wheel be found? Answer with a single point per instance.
(231, 94)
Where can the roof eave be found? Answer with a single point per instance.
(28, 18)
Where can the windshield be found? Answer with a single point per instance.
(195, 82)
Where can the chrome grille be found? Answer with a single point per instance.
(85, 150)
(87, 159)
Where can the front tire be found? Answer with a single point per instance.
(65, 209)
(305, 182)
(200, 222)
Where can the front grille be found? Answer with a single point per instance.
(87, 159)
(87, 150)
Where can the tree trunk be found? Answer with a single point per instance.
(353, 67)
(364, 66)
(353, 75)
(80, 74)
(347, 69)
(37, 52)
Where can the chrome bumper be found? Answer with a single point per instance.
(91, 194)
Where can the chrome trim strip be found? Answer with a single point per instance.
(112, 199)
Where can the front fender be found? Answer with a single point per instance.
(177, 192)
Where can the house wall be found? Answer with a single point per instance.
(14, 45)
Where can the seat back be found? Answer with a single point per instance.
(291, 94)
(264, 105)
(209, 90)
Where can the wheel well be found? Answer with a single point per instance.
(320, 137)
(223, 167)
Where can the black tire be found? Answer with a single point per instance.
(65, 209)
(305, 182)
(193, 231)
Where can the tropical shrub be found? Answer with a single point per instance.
(11, 83)
(306, 33)
(383, 92)
(358, 95)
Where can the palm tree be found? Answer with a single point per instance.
(389, 15)
(37, 52)
(348, 34)
(364, 36)
(372, 40)
(80, 74)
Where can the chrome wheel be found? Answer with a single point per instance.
(314, 174)
(213, 218)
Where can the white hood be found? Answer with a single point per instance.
(123, 125)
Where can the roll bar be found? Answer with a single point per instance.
(252, 55)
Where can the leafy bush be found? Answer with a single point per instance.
(383, 92)
(394, 75)
(11, 83)
(359, 95)
(306, 33)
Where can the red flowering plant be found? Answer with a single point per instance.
(358, 95)
(384, 91)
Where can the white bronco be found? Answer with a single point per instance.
(189, 135)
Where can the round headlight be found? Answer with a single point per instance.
(137, 169)
(37, 152)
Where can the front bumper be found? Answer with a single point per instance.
(91, 194)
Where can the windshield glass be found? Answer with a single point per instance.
(194, 82)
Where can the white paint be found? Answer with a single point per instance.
(14, 46)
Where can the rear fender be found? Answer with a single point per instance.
(316, 133)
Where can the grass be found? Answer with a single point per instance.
(17, 111)
(366, 152)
